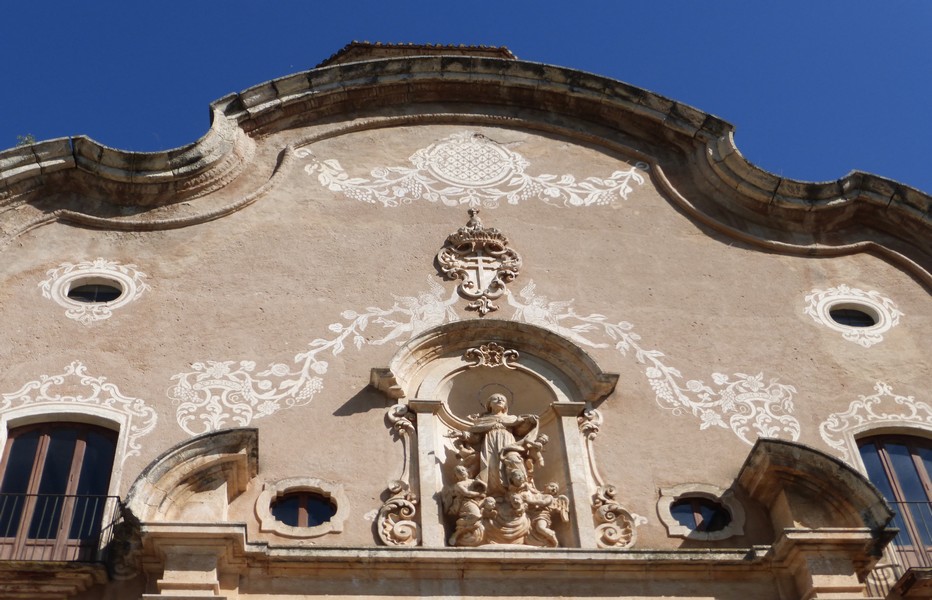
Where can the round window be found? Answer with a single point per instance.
(700, 514)
(303, 509)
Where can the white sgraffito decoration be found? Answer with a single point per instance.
(879, 409)
(67, 275)
(219, 394)
(747, 404)
(56, 392)
(820, 303)
(469, 168)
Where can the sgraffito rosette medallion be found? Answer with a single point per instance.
(468, 168)
(469, 159)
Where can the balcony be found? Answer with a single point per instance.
(56, 527)
(906, 569)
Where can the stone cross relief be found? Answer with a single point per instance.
(494, 498)
(480, 258)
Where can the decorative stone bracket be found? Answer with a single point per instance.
(831, 523)
(190, 484)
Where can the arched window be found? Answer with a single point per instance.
(54, 479)
(900, 467)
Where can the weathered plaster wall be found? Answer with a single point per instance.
(304, 261)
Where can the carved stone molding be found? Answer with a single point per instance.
(492, 355)
(700, 490)
(193, 478)
(481, 259)
(275, 489)
(881, 409)
(186, 489)
(411, 371)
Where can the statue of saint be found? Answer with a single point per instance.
(504, 438)
(494, 497)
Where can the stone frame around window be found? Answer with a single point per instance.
(272, 490)
(700, 490)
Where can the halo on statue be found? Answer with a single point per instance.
(493, 388)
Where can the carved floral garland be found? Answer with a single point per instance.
(469, 168)
(215, 394)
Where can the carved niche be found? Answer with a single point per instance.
(489, 413)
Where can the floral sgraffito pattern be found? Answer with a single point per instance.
(749, 405)
(218, 394)
(59, 391)
(468, 168)
(884, 407)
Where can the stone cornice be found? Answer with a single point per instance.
(803, 217)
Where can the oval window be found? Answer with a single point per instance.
(303, 509)
(700, 514)
(852, 317)
(95, 293)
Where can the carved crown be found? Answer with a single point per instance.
(474, 233)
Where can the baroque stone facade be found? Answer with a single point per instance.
(432, 321)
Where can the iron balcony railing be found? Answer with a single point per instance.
(911, 548)
(913, 544)
(49, 527)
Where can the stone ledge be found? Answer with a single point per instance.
(48, 580)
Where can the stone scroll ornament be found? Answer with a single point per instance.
(494, 498)
(480, 258)
(395, 522)
(615, 527)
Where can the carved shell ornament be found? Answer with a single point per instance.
(469, 168)
(481, 259)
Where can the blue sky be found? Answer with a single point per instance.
(815, 88)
